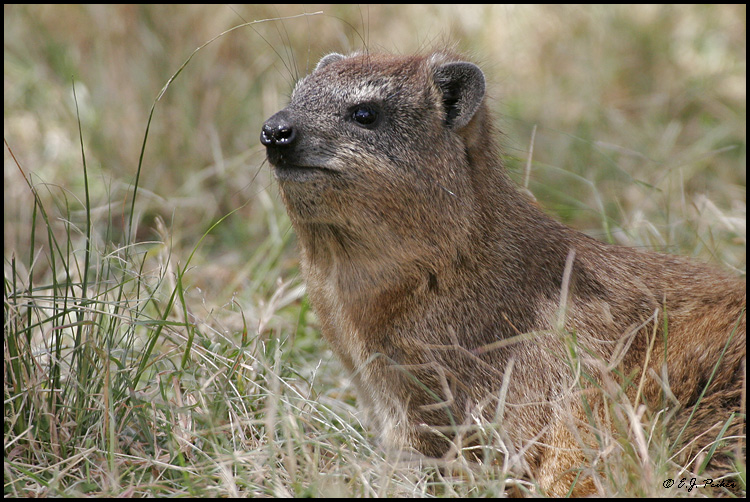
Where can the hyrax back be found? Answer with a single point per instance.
(447, 294)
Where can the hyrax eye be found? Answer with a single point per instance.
(364, 115)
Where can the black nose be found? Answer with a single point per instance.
(278, 130)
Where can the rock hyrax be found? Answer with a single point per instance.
(454, 300)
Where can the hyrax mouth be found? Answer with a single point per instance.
(285, 171)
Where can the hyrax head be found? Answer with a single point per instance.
(367, 139)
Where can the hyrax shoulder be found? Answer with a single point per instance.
(454, 300)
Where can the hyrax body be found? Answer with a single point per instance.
(446, 293)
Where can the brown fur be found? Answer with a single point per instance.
(439, 285)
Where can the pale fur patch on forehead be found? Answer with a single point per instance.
(354, 92)
(359, 87)
(366, 92)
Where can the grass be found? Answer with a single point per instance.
(157, 337)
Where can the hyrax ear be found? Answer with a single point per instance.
(462, 85)
(330, 58)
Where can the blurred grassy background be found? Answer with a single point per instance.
(639, 112)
